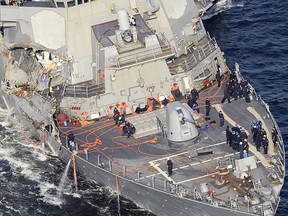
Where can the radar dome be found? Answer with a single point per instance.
(152, 6)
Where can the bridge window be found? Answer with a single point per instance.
(60, 4)
(71, 3)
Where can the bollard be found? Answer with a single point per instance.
(138, 176)
(124, 171)
(98, 160)
(86, 154)
(110, 165)
(153, 181)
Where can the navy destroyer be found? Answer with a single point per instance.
(138, 95)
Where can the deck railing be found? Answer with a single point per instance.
(140, 57)
(280, 143)
(84, 91)
(195, 57)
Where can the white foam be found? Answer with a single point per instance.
(221, 6)
(47, 197)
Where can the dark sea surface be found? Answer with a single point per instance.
(252, 33)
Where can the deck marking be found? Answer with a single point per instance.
(257, 116)
(199, 177)
(186, 152)
(197, 163)
(184, 167)
(216, 144)
(251, 147)
(156, 166)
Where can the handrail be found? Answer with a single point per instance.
(84, 91)
(200, 54)
(140, 57)
(266, 107)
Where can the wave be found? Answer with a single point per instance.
(222, 6)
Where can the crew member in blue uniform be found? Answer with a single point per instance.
(207, 106)
(241, 150)
(246, 147)
(218, 78)
(228, 136)
(169, 167)
(71, 141)
(226, 94)
(194, 94)
(265, 144)
(221, 118)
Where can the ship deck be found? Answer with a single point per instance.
(144, 159)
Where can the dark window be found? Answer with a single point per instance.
(60, 4)
(71, 3)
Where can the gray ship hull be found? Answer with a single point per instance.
(158, 202)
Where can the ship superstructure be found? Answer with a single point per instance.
(65, 62)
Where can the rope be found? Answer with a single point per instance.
(74, 170)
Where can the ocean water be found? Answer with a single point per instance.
(253, 33)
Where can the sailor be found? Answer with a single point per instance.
(128, 129)
(116, 118)
(125, 128)
(195, 106)
(194, 94)
(226, 94)
(258, 139)
(238, 140)
(254, 133)
(251, 126)
(169, 167)
(228, 136)
(233, 140)
(165, 101)
(241, 149)
(116, 114)
(236, 91)
(246, 93)
(265, 143)
(155, 103)
(243, 135)
(221, 118)
(132, 20)
(259, 124)
(70, 137)
(121, 119)
(218, 78)
(131, 130)
(236, 128)
(274, 134)
(246, 147)
(70, 141)
(245, 154)
(190, 102)
(207, 106)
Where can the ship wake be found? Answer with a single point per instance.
(222, 6)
